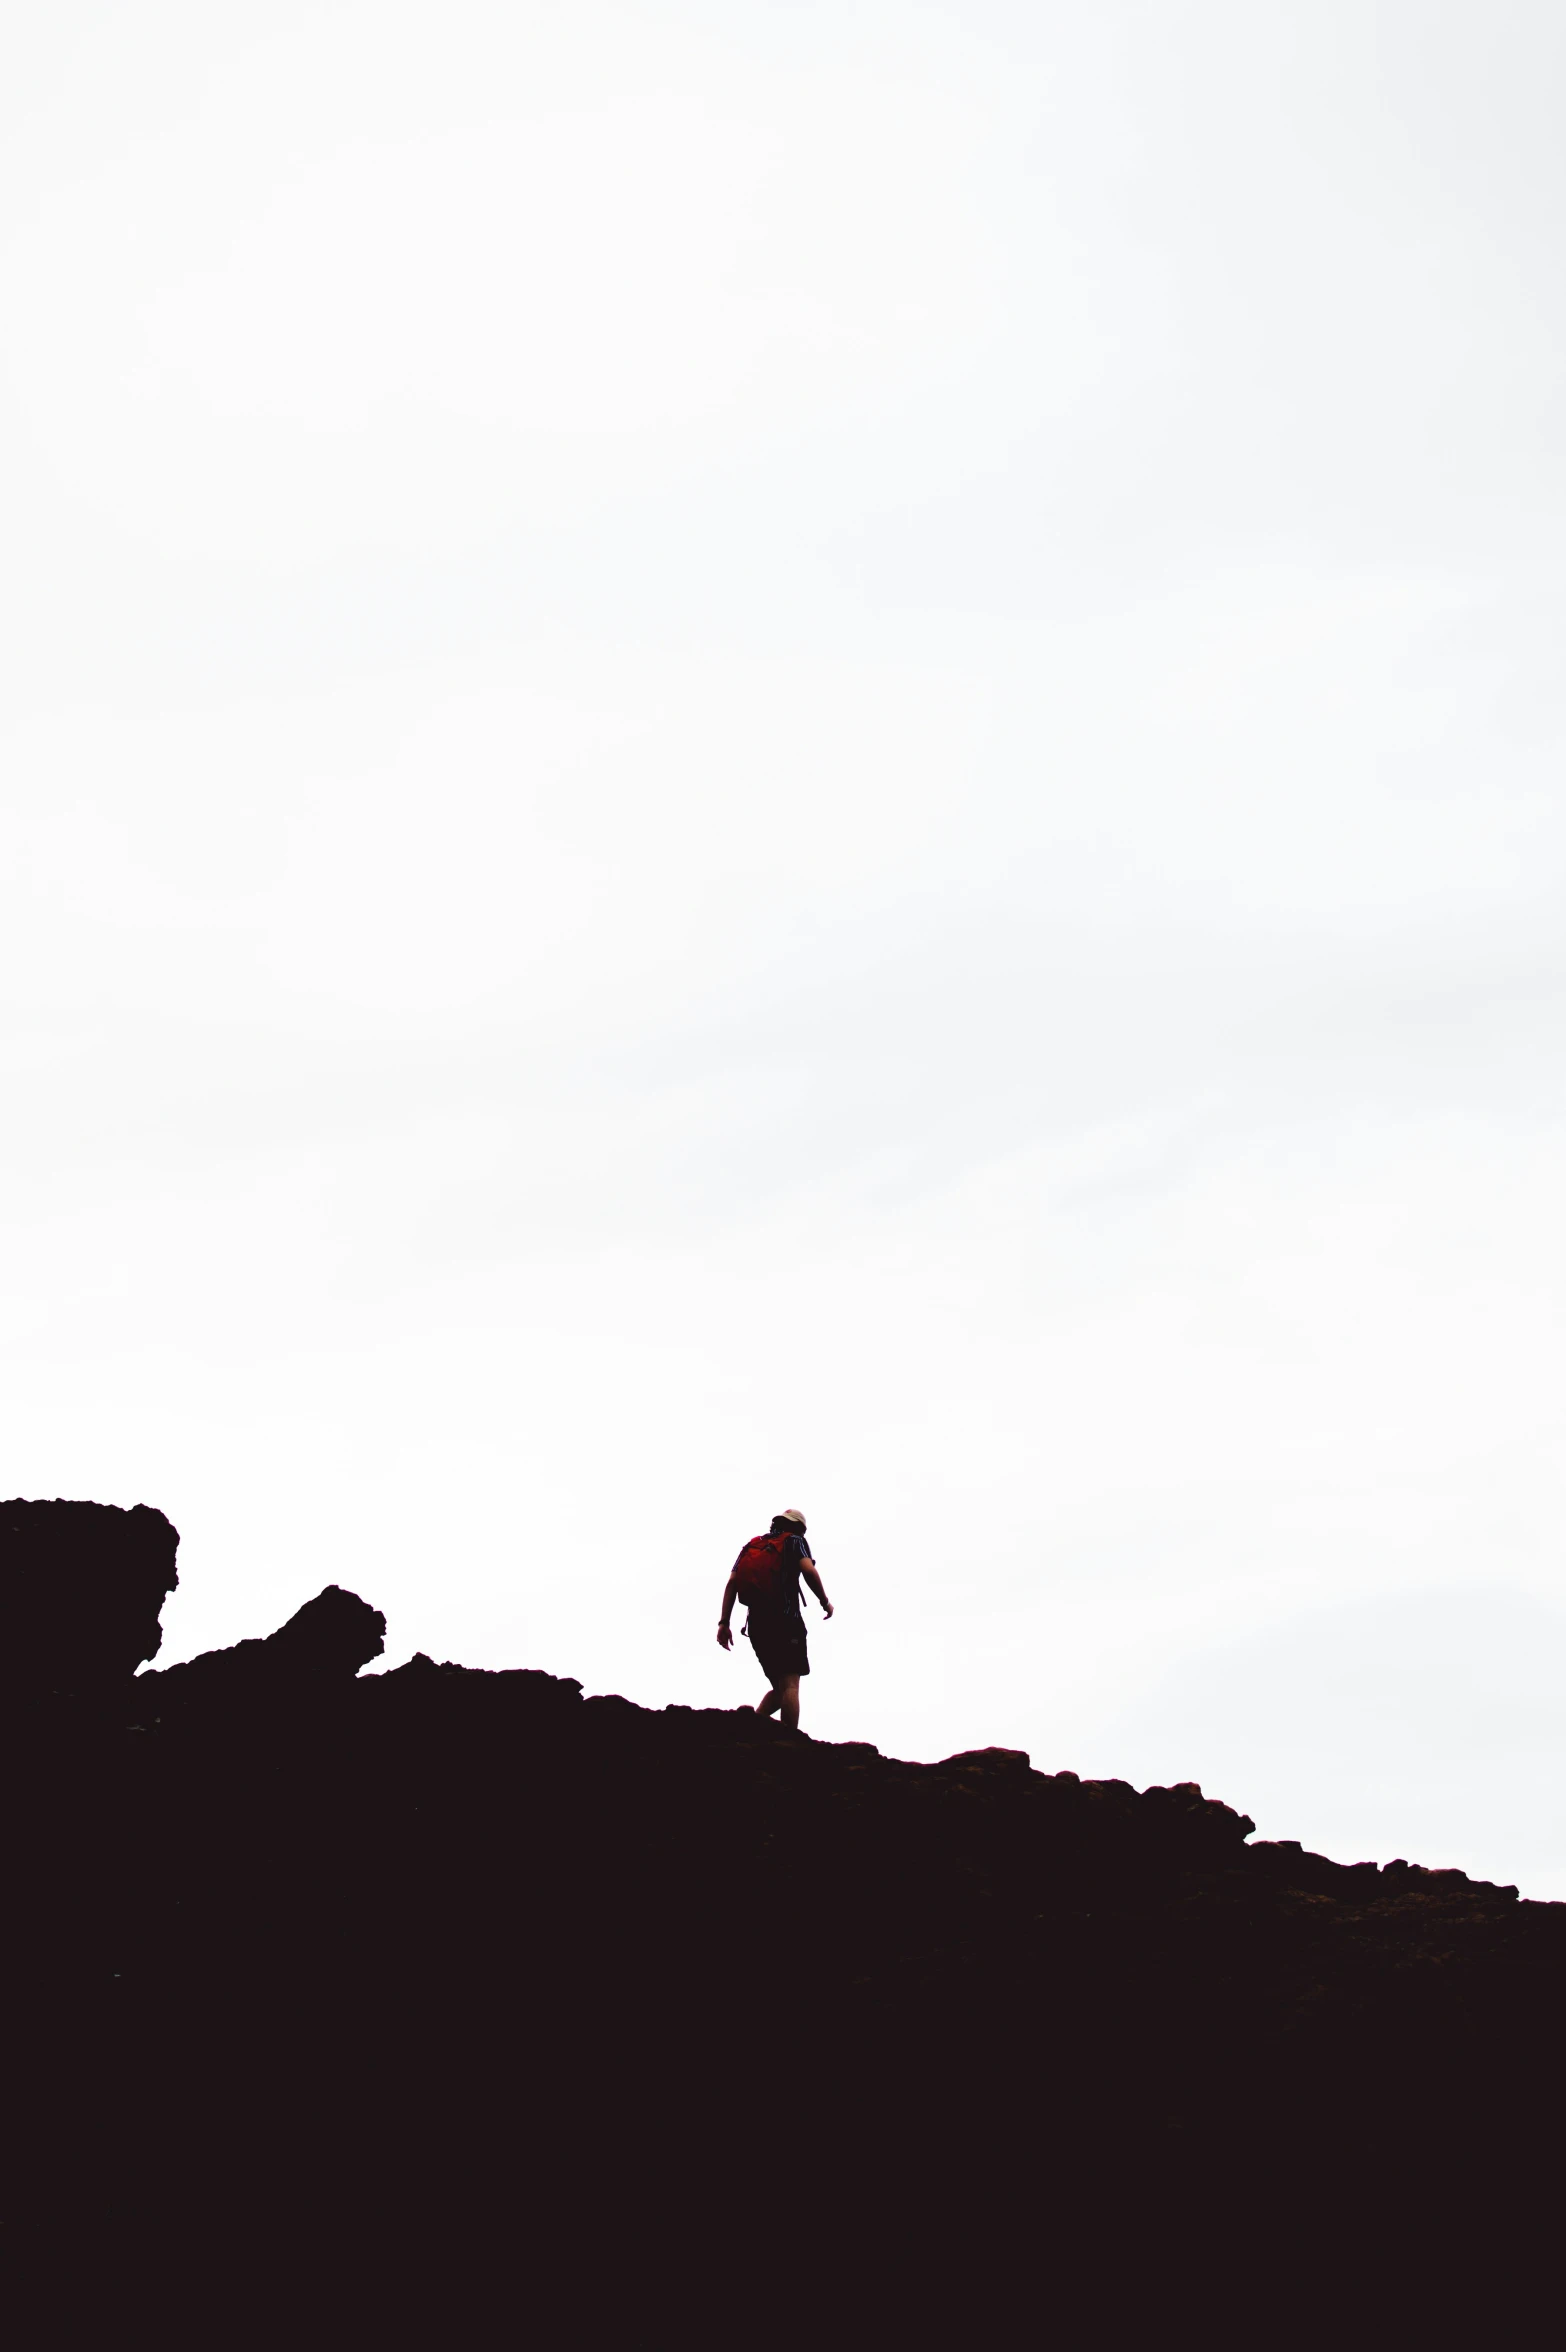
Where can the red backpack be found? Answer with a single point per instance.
(758, 1572)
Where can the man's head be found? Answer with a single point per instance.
(789, 1523)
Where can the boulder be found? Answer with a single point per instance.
(82, 1586)
(322, 1646)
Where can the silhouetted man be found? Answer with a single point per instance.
(766, 1578)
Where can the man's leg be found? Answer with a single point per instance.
(787, 1696)
(766, 1706)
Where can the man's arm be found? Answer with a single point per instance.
(730, 1595)
(812, 1576)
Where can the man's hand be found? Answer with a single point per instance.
(827, 1606)
(725, 1637)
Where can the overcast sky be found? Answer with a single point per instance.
(810, 754)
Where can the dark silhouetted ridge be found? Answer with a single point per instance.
(458, 2005)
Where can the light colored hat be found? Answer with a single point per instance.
(799, 1515)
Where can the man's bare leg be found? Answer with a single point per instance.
(786, 1697)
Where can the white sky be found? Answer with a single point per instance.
(811, 754)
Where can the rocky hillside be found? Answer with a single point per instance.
(452, 2001)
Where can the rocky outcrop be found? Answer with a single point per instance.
(323, 1645)
(455, 2006)
(82, 1586)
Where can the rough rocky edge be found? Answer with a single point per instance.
(450, 2005)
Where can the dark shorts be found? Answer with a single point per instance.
(779, 1645)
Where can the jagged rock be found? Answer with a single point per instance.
(988, 1760)
(334, 1634)
(81, 1588)
(324, 1643)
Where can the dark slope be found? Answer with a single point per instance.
(457, 2003)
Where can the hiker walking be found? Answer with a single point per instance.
(766, 1578)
